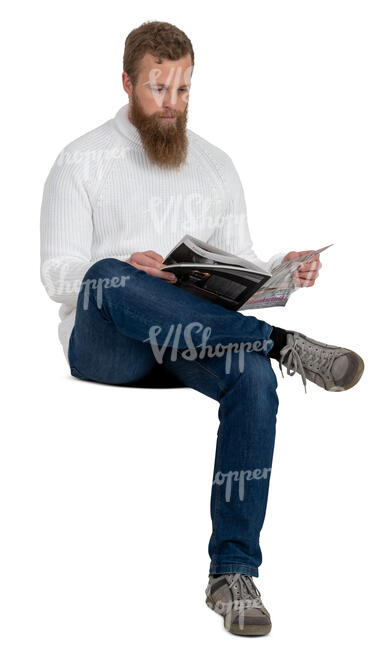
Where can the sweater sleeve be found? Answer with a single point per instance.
(232, 234)
(65, 231)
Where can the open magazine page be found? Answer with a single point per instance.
(191, 249)
(224, 258)
(277, 290)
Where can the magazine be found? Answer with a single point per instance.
(229, 280)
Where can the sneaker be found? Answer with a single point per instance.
(328, 366)
(236, 597)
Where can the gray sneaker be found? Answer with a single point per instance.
(331, 367)
(236, 597)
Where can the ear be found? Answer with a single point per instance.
(127, 84)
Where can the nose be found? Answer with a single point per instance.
(170, 98)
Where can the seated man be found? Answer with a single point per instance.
(117, 199)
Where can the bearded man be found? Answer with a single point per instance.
(116, 201)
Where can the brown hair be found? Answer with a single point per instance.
(162, 40)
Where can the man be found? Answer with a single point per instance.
(116, 201)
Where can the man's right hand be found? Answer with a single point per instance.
(151, 263)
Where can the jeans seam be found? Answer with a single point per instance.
(220, 431)
(210, 372)
(134, 313)
(249, 566)
(216, 508)
(217, 503)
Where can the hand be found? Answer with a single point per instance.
(306, 274)
(151, 263)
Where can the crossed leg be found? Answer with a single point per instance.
(126, 318)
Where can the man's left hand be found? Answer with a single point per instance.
(306, 274)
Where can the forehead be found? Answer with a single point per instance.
(163, 70)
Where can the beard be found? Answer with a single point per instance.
(165, 143)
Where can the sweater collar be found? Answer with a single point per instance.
(126, 127)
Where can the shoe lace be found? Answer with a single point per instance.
(293, 362)
(245, 589)
(294, 357)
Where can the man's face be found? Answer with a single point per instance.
(158, 108)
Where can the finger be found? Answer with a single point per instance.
(308, 276)
(146, 260)
(164, 275)
(168, 277)
(305, 277)
(155, 255)
(308, 266)
(305, 283)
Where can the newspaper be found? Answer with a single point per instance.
(277, 290)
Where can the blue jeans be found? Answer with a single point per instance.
(131, 327)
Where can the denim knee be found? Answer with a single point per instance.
(254, 369)
(104, 274)
(105, 268)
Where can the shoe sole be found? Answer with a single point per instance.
(356, 378)
(249, 630)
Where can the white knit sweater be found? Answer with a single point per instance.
(104, 198)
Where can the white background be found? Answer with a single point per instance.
(105, 491)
